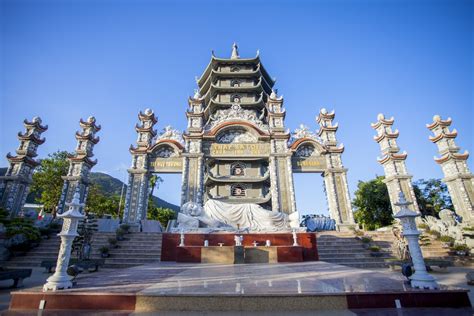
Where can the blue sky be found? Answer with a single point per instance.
(63, 60)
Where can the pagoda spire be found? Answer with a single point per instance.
(397, 178)
(136, 197)
(15, 184)
(457, 176)
(335, 177)
(235, 52)
(80, 164)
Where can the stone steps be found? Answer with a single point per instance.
(345, 249)
(136, 249)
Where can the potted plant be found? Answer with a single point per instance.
(120, 234)
(375, 251)
(126, 228)
(366, 240)
(113, 242)
(448, 241)
(104, 251)
(461, 250)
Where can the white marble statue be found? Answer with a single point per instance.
(221, 216)
(446, 225)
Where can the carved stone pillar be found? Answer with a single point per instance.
(397, 178)
(15, 184)
(193, 157)
(136, 198)
(80, 164)
(457, 176)
(335, 176)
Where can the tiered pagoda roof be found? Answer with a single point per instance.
(209, 83)
(26, 153)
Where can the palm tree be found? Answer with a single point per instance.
(154, 182)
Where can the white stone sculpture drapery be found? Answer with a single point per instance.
(227, 216)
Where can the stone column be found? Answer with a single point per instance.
(397, 178)
(80, 164)
(15, 184)
(136, 198)
(60, 280)
(457, 176)
(335, 176)
(192, 189)
(281, 172)
(421, 278)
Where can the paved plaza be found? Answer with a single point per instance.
(281, 281)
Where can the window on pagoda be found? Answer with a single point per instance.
(235, 83)
(237, 169)
(235, 69)
(236, 98)
(237, 190)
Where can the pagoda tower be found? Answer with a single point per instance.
(80, 164)
(14, 185)
(458, 178)
(136, 198)
(397, 178)
(236, 145)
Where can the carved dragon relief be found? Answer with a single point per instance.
(236, 136)
(170, 133)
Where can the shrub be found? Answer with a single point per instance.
(434, 233)
(104, 249)
(423, 226)
(374, 248)
(461, 247)
(366, 239)
(125, 227)
(359, 233)
(447, 239)
(113, 242)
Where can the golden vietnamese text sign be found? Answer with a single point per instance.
(171, 165)
(310, 164)
(230, 150)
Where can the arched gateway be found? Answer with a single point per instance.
(236, 148)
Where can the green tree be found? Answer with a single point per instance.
(372, 204)
(161, 214)
(100, 203)
(432, 196)
(47, 182)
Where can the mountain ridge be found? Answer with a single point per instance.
(111, 186)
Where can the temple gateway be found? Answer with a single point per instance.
(236, 154)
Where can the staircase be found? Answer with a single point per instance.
(343, 248)
(136, 249)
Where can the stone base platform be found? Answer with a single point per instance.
(305, 286)
(284, 251)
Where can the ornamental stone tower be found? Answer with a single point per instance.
(335, 175)
(397, 178)
(458, 178)
(14, 185)
(80, 164)
(136, 198)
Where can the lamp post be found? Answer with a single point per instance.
(60, 280)
(421, 278)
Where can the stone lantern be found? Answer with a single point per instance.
(60, 280)
(421, 278)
